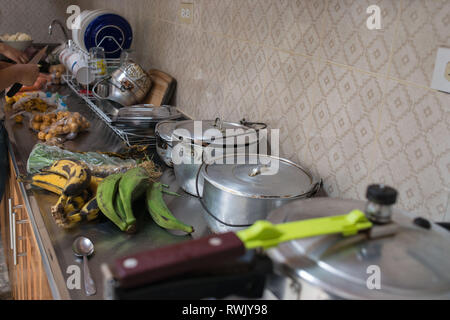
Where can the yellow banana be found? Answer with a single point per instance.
(77, 174)
(95, 182)
(74, 204)
(89, 212)
(49, 181)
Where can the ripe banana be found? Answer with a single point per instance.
(95, 181)
(133, 184)
(89, 212)
(160, 213)
(106, 194)
(49, 181)
(74, 204)
(58, 209)
(77, 174)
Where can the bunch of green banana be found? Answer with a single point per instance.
(72, 181)
(83, 196)
(159, 211)
(117, 193)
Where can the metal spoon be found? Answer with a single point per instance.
(83, 247)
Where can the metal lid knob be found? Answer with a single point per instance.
(382, 195)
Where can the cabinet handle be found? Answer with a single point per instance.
(10, 223)
(14, 238)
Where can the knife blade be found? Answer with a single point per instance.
(17, 86)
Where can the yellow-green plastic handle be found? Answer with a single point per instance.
(264, 234)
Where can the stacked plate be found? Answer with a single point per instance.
(103, 28)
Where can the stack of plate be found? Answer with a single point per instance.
(103, 28)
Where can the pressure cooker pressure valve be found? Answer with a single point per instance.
(380, 198)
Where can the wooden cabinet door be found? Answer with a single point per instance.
(27, 275)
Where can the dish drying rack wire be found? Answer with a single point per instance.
(131, 136)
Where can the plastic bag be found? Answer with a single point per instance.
(51, 99)
(101, 165)
(61, 124)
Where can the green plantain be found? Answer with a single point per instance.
(118, 205)
(106, 193)
(133, 185)
(160, 213)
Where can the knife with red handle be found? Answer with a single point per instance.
(163, 263)
(160, 264)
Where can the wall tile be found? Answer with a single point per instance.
(349, 41)
(33, 17)
(424, 26)
(344, 122)
(312, 69)
(412, 152)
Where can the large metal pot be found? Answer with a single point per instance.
(237, 195)
(196, 142)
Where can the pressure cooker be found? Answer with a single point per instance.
(321, 248)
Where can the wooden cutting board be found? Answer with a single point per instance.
(163, 87)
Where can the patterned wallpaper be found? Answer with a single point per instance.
(32, 17)
(353, 105)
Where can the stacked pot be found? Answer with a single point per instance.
(226, 165)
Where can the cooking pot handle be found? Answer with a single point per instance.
(200, 198)
(95, 87)
(316, 188)
(253, 124)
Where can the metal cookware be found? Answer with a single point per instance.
(326, 246)
(128, 85)
(238, 194)
(195, 142)
(405, 262)
(145, 116)
(163, 132)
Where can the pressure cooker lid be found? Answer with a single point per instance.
(259, 176)
(165, 129)
(214, 131)
(413, 263)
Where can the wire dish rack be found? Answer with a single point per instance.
(130, 135)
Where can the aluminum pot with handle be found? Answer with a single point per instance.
(331, 248)
(246, 190)
(128, 85)
(195, 142)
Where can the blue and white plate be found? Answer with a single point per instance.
(109, 25)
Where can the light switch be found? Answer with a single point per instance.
(186, 14)
(441, 75)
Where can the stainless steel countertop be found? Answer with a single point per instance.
(55, 244)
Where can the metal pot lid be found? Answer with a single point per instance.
(259, 176)
(165, 129)
(186, 130)
(412, 264)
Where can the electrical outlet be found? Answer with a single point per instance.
(186, 13)
(441, 76)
